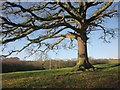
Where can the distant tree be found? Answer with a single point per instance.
(52, 22)
(42, 56)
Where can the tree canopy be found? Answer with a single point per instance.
(53, 21)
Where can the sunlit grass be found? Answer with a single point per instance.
(107, 76)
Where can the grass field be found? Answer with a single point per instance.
(105, 77)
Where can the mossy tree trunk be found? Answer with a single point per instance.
(83, 61)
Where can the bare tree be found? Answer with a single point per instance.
(55, 21)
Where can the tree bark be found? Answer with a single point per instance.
(83, 62)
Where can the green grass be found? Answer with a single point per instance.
(105, 77)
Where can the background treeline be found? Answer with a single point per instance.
(14, 64)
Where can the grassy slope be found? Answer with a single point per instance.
(106, 77)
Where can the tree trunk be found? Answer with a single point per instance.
(83, 62)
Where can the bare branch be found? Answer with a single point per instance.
(56, 43)
(52, 20)
(99, 11)
(108, 14)
(91, 4)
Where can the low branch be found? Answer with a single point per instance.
(56, 43)
(30, 30)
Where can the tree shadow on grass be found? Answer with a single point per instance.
(78, 72)
(106, 67)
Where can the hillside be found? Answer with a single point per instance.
(105, 77)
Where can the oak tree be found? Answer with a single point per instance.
(55, 21)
